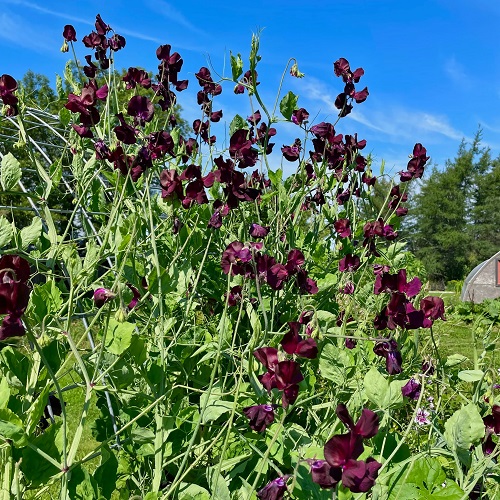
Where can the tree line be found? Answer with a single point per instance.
(455, 223)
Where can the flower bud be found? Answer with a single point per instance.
(103, 295)
(294, 71)
(121, 315)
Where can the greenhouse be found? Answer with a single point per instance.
(483, 282)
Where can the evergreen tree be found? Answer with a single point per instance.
(453, 223)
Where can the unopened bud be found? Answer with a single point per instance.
(103, 295)
(294, 71)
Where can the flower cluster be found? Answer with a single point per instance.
(400, 311)
(8, 86)
(140, 109)
(246, 260)
(344, 100)
(14, 294)
(415, 168)
(284, 375)
(342, 451)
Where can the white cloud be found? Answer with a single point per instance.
(389, 121)
(457, 73)
(14, 30)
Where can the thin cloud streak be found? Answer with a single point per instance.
(394, 121)
(172, 14)
(79, 20)
(14, 30)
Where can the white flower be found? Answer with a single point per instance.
(421, 417)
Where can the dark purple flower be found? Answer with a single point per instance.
(343, 447)
(287, 377)
(116, 42)
(8, 86)
(299, 116)
(492, 422)
(268, 356)
(342, 227)
(306, 285)
(69, 33)
(433, 307)
(295, 261)
(274, 490)
(234, 297)
(411, 389)
(349, 263)
(293, 343)
(427, 367)
(350, 343)
(258, 231)
(275, 275)
(103, 295)
(386, 282)
(388, 349)
(342, 451)
(292, 153)
(324, 474)
(141, 108)
(124, 132)
(14, 294)
(255, 118)
(135, 297)
(348, 288)
(241, 150)
(366, 426)
(234, 257)
(360, 476)
(136, 77)
(171, 185)
(261, 416)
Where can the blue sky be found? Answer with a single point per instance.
(432, 67)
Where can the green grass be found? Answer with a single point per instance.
(457, 335)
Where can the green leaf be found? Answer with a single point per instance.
(81, 485)
(215, 405)
(12, 427)
(275, 177)
(464, 428)
(6, 232)
(470, 375)
(10, 173)
(193, 492)
(65, 116)
(237, 123)
(336, 365)
(106, 473)
(31, 233)
(424, 479)
(36, 410)
(119, 336)
(236, 66)
(36, 469)
(376, 387)
(455, 359)
(381, 392)
(4, 392)
(217, 485)
(288, 105)
(45, 300)
(15, 366)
